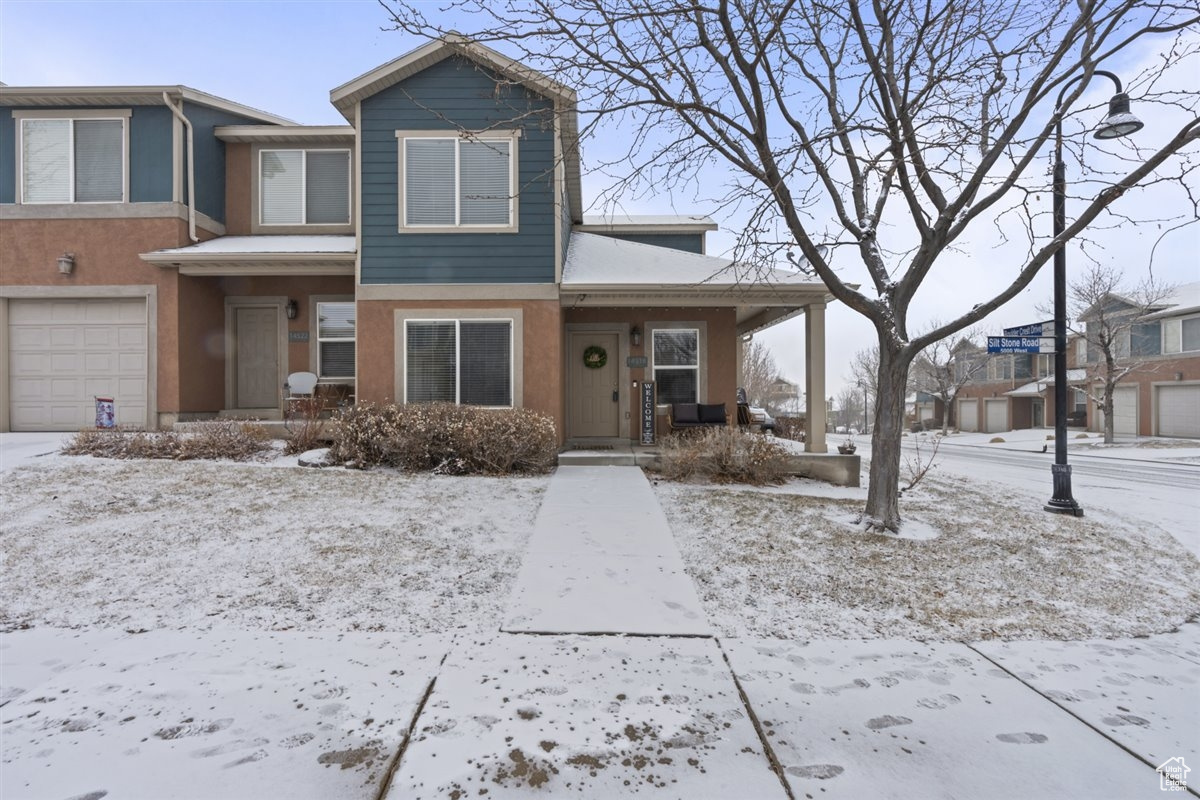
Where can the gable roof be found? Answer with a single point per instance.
(347, 96)
(646, 223)
(52, 96)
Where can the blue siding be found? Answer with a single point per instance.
(8, 157)
(149, 155)
(210, 157)
(688, 242)
(456, 92)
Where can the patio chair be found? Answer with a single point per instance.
(299, 395)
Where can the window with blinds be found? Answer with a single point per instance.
(73, 160)
(677, 365)
(458, 182)
(458, 361)
(335, 340)
(304, 187)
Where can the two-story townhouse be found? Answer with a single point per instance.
(90, 178)
(1015, 391)
(434, 248)
(1158, 355)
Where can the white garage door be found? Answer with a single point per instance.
(1124, 411)
(65, 353)
(997, 415)
(1178, 411)
(968, 415)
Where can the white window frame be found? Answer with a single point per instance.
(458, 321)
(512, 137)
(120, 114)
(1172, 335)
(304, 151)
(317, 303)
(654, 368)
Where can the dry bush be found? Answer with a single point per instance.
(304, 424)
(996, 440)
(726, 455)
(211, 440)
(445, 438)
(790, 428)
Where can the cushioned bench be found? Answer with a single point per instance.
(685, 416)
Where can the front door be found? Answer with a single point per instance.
(256, 330)
(594, 397)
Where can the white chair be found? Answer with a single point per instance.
(299, 388)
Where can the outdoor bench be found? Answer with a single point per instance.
(685, 416)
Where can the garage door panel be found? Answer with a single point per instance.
(997, 415)
(1178, 411)
(62, 354)
(968, 415)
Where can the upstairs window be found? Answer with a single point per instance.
(458, 183)
(73, 160)
(305, 187)
(335, 340)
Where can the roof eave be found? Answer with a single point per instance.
(314, 134)
(58, 96)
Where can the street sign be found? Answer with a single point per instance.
(1020, 344)
(1036, 329)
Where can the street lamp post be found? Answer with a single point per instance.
(1118, 123)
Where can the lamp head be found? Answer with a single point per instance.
(1119, 121)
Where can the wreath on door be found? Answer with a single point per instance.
(595, 357)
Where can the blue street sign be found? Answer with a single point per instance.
(1036, 329)
(1020, 344)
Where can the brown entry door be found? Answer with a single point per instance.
(257, 332)
(594, 407)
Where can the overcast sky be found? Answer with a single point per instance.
(284, 57)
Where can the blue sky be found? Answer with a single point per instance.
(284, 57)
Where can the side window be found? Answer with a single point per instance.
(677, 364)
(335, 340)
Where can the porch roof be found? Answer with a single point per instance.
(261, 255)
(603, 271)
(1035, 389)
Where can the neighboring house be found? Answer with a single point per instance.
(1016, 391)
(184, 254)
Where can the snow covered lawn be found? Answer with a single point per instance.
(142, 545)
(789, 563)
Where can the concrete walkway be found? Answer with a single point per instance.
(602, 560)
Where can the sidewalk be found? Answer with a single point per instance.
(655, 707)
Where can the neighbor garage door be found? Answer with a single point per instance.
(1178, 410)
(65, 353)
(997, 415)
(1124, 411)
(968, 415)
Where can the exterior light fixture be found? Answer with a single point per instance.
(1119, 122)
(635, 336)
(292, 309)
(66, 263)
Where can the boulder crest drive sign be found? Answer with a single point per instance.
(1036, 329)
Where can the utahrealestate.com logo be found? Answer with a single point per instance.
(1172, 775)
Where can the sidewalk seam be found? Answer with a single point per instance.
(1054, 702)
(768, 751)
(386, 784)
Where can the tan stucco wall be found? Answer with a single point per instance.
(238, 175)
(541, 334)
(106, 254)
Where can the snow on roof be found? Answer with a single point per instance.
(594, 260)
(225, 245)
(1035, 389)
(649, 221)
(1185, 298)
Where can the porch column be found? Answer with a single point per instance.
(814, 378)
(740, 352)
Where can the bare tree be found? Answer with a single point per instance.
(758, 372)
(1108, 315)
(849, 407)
(945, 367)
(893, 133)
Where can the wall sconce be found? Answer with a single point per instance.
(292, 309)
(1178, 376)
(635, 336)
(66, 263)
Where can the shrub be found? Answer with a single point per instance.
(445, 438)
(724, 454)
(304, 425)
(996, 440)
(1081, 436)
(237, 441)
(790, 428)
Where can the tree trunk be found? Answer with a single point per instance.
(1108, 413)
(883, 489)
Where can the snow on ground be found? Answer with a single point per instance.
(794, 566)
(1138, 448)
(141, 545)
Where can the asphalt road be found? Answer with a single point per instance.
(1158, 493)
